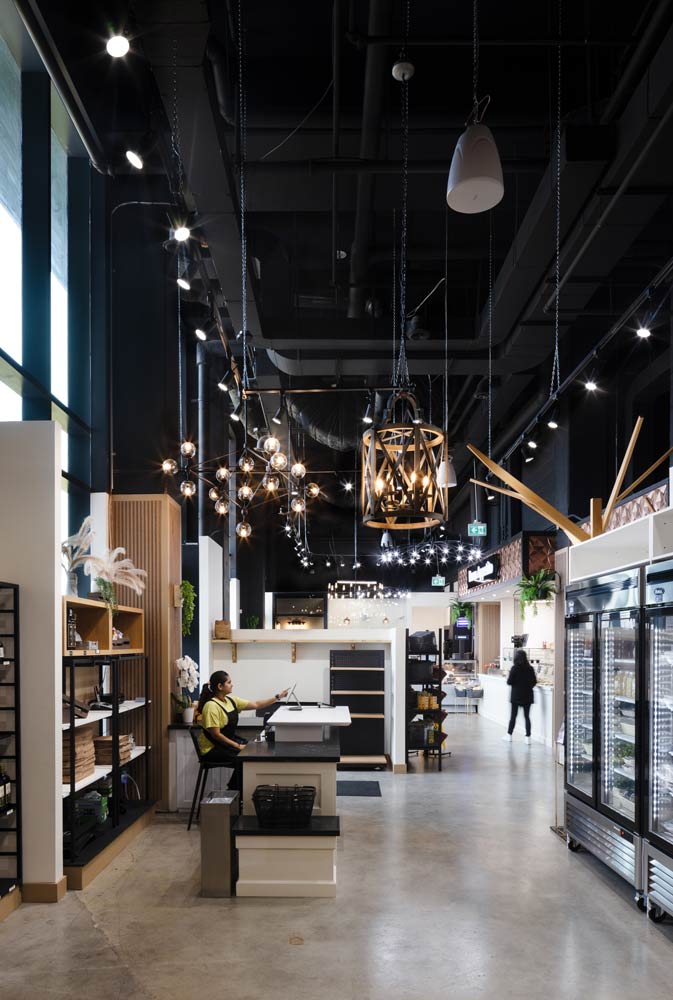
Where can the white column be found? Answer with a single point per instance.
(30, 533)
(268, 609)
(235, 602)
(211, 588)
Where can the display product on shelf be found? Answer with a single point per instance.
(424, 695)
(10, 742)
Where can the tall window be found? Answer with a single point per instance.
(59, 270)
(10, 208)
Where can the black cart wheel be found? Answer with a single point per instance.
(656, 914)
(641, 903)
(573, 845)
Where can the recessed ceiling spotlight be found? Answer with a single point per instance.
(590, 386)
(643, 332)
(532, 444)
(201, 334)
(236, 413)
(368, 418)
(181, 234)
(552, 424)
(348, 486)
(278, 415)
(117, 46)
(136, 161)
(184, 284)
(490, 495)
(529, 458)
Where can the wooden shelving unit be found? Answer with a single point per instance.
(94, 624)
(10, 750)
(357, 679)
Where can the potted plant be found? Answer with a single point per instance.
(252, 621)
(537, 587)
(460, 609)
(188, 595)
(187, 680)
(114, 569)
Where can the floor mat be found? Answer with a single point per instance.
(364, 789)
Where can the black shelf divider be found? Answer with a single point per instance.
(11, 865)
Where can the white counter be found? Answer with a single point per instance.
(307, 724)
(495, 706)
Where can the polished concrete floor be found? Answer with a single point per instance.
(450, 885)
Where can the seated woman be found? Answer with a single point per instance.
(218, 714)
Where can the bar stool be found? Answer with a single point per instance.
(204, 767)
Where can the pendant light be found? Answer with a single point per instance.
(475, 178)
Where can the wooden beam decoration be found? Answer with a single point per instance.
(619, 481)
(598, 521)
(596, 516)
(532, 500)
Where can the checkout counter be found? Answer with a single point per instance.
(292, 862)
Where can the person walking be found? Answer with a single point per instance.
(522, 680)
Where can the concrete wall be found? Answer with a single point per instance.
(30, 533)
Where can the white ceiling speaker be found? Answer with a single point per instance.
(475, 178)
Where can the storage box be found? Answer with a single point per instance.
(222, 629)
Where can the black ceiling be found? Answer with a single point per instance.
(336, 184)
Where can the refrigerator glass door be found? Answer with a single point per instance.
(660, 638)
(580, 693)
(619, 698)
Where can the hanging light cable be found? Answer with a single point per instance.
(475, 179)
(555, 383)
(490, 332)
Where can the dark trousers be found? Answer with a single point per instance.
(512, 718)
(225, 755)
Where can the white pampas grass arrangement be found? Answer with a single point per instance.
(116, 570)
(75, 549)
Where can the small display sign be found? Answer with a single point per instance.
(438, 581)
(476, 529)
(484, 572)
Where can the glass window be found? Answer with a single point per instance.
(10, 403)
(59, 270)
(10, 204)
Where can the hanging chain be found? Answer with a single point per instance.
(175, 125)
(475, 59)
(181, 415)
(394, 381)
(490, 331)
(402, 373)
(555, 383)
(243, 132)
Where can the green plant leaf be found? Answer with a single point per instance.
(188, 595)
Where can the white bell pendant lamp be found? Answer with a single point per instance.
(475, 178)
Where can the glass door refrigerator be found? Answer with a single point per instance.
(603, 666)
(658, 837)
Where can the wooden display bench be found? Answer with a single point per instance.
(287, 862)
(95, 622)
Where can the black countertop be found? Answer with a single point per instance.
(318, 826)
(323, 751)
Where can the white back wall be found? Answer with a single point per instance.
(365, 612)
(30, 533)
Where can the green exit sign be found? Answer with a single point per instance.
(476, 528)
(438, 581)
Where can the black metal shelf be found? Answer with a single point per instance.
(430, 679)
(79, 847)
(10, 746)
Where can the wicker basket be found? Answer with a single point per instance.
(222, 630)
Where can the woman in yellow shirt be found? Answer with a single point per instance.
(218, 714)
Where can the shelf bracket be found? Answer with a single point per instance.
(234, 653)
(293, 652)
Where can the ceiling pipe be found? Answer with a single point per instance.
(41, 37)
(376, 71)
(366, 166)
(362, 41)
(649, 40)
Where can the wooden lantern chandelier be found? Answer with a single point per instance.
(401, 460)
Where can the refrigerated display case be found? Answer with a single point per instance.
(658, 837)
(580, 647)
(620, 691)
(603, 665)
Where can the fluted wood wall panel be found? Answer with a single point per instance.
(149, 528)
(488, 633)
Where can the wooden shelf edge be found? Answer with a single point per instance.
(367, 715)
(377, 759)
(9, 903)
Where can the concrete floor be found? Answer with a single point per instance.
(451, 884)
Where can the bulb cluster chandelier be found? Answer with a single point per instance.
(368, 589)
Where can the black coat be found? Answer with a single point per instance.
(522, 680)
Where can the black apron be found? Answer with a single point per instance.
(229, 730)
